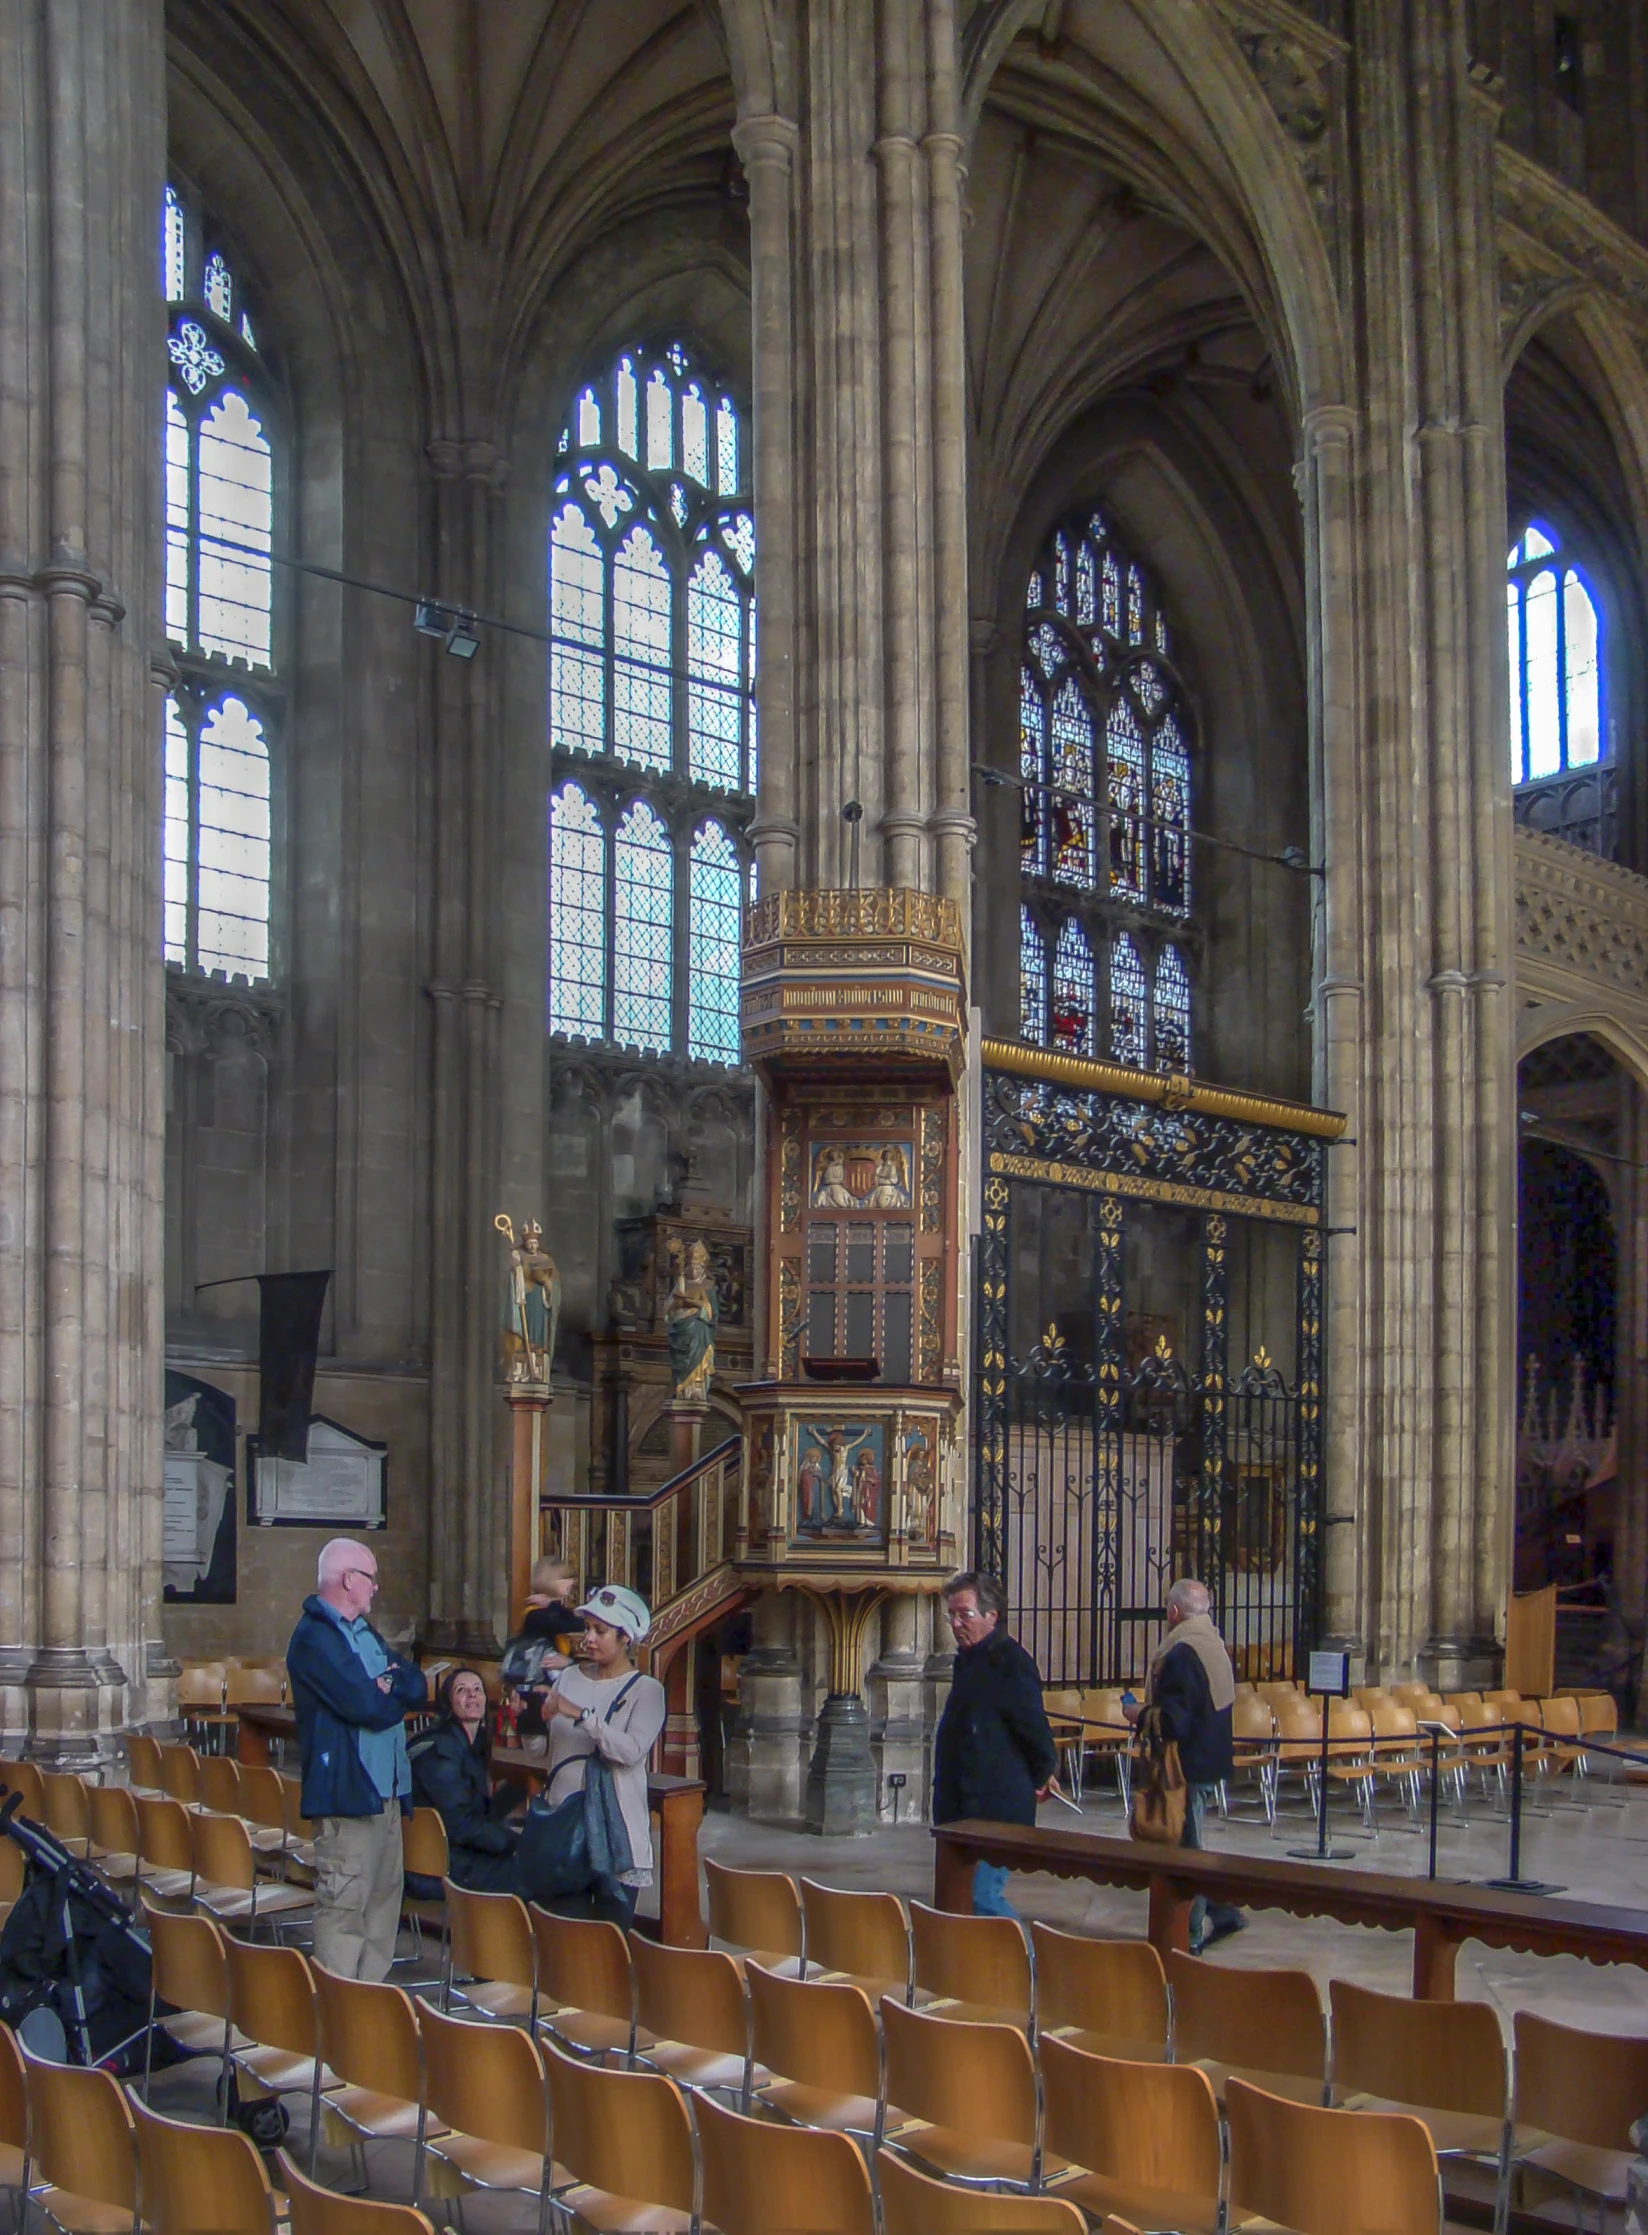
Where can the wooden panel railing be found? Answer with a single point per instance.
(660, 1543)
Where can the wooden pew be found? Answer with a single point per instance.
(1440, 1916)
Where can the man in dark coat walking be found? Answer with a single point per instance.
(1193, 1682)
(993, 1756)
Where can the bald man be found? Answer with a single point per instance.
(351, 1694)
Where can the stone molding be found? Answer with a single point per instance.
(202, 1013)
(1581, 923)
(1553, 240)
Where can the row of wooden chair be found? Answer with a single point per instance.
(512, 2107)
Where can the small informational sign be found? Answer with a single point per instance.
(1329, 1675)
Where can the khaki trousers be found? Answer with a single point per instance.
(358, 1888)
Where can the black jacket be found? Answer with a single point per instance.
(1181, 1691)
(449, 1775)
(993, 1747)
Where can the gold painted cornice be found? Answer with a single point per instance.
(880, 912)
(1171, 1090)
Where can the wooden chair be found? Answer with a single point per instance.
(249, 1684)
(1327, 2172)
(1266, 2027)
(1441, 2062)
(1063, 1709)
(489, 1944)
(1581, 2091)
(112, 1814)
(424, 1855)
(1253, 1730)
(369, 2039)
(758, 1912)
(484, 2085)
(81, 2145)
(1350, 1754)
(914, 2204)
(143, 1763)
(227, 1885)
(300, 1834)
(14, 2114)
(263, 1811)
(200, 2180)
(68, 1813)
(1106, 1736)
(758, 2177)
(165, 1851)
(1107, 1996)
(966, 2097)
(1145, 2135)
(586, 1988)
(200, 1690)
(321, 2211)
(690, 2002)
(815, 2043)
(220, 1784)
(190, 1969)
(1561, 1722)
(1398, 1757)
(180, 1774)
(24, 1778)
(975, 1969)
(626, 2141)
(275, 2046)
(860, 1938)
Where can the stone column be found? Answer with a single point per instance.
(896, 1690)
(469, 1474)
(1630, 1197)
(860, 409)
(767, 1751)
(82, 156)
(1405, 528)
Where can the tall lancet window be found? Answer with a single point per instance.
(1554, 636)
(1106, 931)
(651, 707)
(223, 717)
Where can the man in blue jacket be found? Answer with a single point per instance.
(993, 1754)
(351, 1695)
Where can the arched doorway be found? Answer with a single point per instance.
(1579, 1444)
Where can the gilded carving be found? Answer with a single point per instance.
(932, 1170)
(789, 1175)
(930, 1343)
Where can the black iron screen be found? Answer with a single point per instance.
(1148, 1379)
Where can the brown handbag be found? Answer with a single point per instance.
(1159, 1794)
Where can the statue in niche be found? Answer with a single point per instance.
(920, 1489)
(689, 1322)
(867, 1489)
(830, 1189)
(890, 1190)
(532, 1303)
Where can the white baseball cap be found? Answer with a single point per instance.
(620, 1609)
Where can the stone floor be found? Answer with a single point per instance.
(1596, 1850)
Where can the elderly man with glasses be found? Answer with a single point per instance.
(351, 1694)
(993, 1754)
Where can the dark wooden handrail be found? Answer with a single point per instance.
(626, 1501)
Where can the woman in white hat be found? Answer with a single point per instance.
(601, 1706)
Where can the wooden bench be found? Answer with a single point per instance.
(1439, 1916)
(676, 1802)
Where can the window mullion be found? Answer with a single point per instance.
(680, 939)
(609, 922)
(191, 905)
(1561, 581)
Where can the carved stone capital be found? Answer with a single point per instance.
(468, 458)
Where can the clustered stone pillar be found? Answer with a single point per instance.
(1404, 498)
(82, 166)
(469, 1501)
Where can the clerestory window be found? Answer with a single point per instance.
(1554, 642)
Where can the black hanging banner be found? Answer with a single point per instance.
(288, 1338)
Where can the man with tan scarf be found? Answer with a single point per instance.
(1194, 1685)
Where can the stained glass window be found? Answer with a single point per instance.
(1070, 1020)
(1553, 631)
(220, 501)
(1105, 784)
(643, 930)
(651, 703)
(715, 900)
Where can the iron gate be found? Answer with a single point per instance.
(1147, 1394)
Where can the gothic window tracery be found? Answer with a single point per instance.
(651, 707)
(1105, 773)
(1554, 645)
(223, 716)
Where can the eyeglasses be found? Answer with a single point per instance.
(957, 1615)
(362, 1575)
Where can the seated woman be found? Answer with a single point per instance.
(449, 1774)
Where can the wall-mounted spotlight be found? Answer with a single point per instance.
(456, 630)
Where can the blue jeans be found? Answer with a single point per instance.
(990, 1891)
(1203, 1912)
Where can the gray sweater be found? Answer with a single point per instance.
(625, 1740)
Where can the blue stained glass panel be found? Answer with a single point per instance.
(577, 916)
(1071, 1017)
(1129, 1003)
(715, 899)
(1071, 807)
(714, 658)
(1170, 1008)
(643, 930)
(1032, 981)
